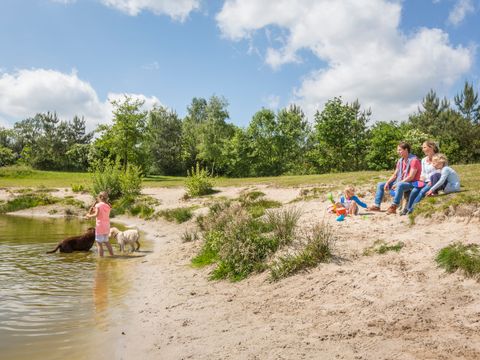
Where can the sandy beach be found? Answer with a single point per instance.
(398, 305)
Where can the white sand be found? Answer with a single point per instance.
(391, 306)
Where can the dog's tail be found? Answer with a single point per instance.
(138, 245)
(51, 252)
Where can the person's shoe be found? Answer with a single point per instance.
(392, 209)
(374, 208)
(404, 212)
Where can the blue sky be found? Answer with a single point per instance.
(72, 57)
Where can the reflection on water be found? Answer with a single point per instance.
(54, 306)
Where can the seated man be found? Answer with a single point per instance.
(407, 171)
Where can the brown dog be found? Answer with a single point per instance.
(76, 243)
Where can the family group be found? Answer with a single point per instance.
(413, 179)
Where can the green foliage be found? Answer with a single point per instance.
(16, 171)
(109, 176)
(141, 206)
(199, 182)
(255, 203)
(317, 249)
(7, 156)
(26, 201)
(164, 130)
(459, 256)
(76, 188)
(124, 140)
(179, 215)
(283, 224)
(380, 247)
(462, 204)
(340, 137)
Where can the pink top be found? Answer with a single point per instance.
(414, 164)
(102, 226)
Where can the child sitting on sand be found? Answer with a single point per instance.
(447, 180)
(348, 204)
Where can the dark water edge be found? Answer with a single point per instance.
(57, 306)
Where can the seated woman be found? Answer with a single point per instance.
(447, 180)
(429, 148)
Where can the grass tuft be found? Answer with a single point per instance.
(179, 215)
(459, 256)
(381, 247)
(317, 249)
(26, 201)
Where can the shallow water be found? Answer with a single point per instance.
(55, 306)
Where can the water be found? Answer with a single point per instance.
(55, 306)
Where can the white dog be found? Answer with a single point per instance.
(126, 237)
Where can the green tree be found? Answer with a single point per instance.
(467, 103)
(341, 136)
(164, 129)
(123, 141)
(384, 137)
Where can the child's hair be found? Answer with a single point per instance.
(103, 195)
(349, 189)
(440, 158)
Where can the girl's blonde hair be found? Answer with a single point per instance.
(440, 158)
(349, 189)
(103, 195)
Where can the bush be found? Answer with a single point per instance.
(318, 248)
(109, 176)
(178, 215)
(459, 256)
(283, 224)
(199, 182)
(78, 188)
(27, 201)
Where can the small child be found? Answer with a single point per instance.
(101, 210)
(350, 201)
(447, 180)
(348, 204)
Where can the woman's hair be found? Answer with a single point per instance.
(440, 158)
(432, 145)
(404, 145)
(103, 195)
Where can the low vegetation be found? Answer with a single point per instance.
(460, 257)
(317, 248)
(26, 201)
(199, 182)
(179, 215)
(381, 247)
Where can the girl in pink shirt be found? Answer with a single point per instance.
(101, 210)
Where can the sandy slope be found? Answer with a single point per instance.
(392, 306)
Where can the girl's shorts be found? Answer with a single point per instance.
(101, 238)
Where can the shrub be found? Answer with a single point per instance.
(78, 188)
(318, 248)
(199, 182)
(283, 224)
(189, 236)
(27, 201)
(109, 176)
(179, 215)
(459, 256)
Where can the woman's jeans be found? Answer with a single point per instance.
(416, 195)
(401, 188)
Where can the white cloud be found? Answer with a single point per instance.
(460, 10)
(272, 101)
(66, 2)
(176, 9)
(28, 92)
(367, 55)
(151, 66)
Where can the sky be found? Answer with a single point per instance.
(73, 57)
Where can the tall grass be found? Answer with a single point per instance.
(317, 249)
(26, 201)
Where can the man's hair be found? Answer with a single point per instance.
(404, 145)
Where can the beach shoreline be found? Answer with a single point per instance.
(398, 305)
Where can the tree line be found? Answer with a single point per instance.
(274, 143)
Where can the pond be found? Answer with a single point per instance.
(56, 306)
